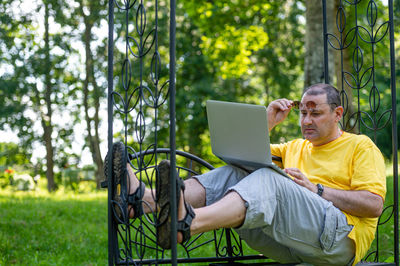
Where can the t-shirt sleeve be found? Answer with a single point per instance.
(369, 169)
(278, 149)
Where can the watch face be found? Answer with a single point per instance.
(320, 189)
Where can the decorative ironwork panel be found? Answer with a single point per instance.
(142, 89)
(138, 111)
(362, 43)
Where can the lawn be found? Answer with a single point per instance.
(66, 228)
(53, 229)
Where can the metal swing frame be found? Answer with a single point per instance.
(130, 242)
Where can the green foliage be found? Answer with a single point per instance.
(11, 57)
(75, 179)
(231, 49)
(233, 55)
(246, 51)
(13, 154)
(6, 177)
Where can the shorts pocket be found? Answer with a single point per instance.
(328, 234)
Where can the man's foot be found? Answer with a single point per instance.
(185, 211)
(127, 190)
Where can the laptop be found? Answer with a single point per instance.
(239, 135)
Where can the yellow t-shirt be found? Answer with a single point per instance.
(351, 162)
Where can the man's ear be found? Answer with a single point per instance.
(339, 113)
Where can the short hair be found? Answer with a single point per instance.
(332, 94)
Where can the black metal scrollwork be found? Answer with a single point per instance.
(141, 87)
(360, 28)
(142, 91)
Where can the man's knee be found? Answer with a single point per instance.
(195, 193)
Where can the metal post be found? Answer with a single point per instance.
(326, 69)
(173, 209)
(111, 231)
(394, 136)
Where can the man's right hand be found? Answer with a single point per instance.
(278, 110)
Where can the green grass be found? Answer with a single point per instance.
(65, 228)
(53, 229)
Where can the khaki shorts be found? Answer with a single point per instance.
(284, 221)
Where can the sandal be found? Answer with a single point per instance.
(120, 198)
(163, 195)
(184, 224)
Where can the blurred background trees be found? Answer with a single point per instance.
(53, 69)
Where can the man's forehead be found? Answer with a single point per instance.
(320, 98)
(314, 102)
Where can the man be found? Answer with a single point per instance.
(328, 215)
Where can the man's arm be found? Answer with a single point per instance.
(277, 111)
(360, 203)
(355, 202)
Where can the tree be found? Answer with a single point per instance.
(314, 41)
(34, 70)
(90, 12)
(47, 113)
(11, 107)
(338, 59)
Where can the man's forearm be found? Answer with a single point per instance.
(359, 203)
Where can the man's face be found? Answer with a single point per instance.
(318, 121)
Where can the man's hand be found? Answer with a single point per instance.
(360, 203)
(278, 110)
(301, 179)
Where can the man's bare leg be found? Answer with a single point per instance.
(148, 201)
(195, 194)
(229, 212)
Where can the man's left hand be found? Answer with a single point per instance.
(301, 179)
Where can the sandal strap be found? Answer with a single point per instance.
(184, 224)
(135, 200)
(180, 185)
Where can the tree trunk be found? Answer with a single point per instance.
(313, 61)
(92, 130)
(314, 43)
(46, 115)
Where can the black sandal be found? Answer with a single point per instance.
(184, 224)
(120, 198)
(163, 195)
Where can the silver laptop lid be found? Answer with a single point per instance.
(239, 131)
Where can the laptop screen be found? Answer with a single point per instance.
(239, 131)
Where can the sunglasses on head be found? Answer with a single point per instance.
(297, 105)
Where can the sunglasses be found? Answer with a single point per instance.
(310, 105)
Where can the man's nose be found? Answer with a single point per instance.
(307, 119)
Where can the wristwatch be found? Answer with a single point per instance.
(320, 189)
